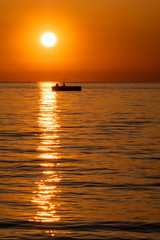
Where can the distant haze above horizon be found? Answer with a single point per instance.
(97, 40)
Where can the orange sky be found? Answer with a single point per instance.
(98, 40)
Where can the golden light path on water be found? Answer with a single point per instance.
(47, 190)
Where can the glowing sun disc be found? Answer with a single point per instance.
(48, 39)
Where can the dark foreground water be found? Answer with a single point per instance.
(80, 165)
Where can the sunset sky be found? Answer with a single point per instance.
(97, 40)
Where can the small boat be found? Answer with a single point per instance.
(66, 88)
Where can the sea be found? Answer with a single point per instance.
(80, 165)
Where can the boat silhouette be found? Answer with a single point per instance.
(66, 88)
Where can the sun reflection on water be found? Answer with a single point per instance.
(47, 190)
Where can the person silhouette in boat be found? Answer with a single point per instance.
(64, 82)
(58, 85)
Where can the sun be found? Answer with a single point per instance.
(48, 39)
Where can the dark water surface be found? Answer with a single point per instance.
(80, 165)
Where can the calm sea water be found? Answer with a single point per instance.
(80, 165)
